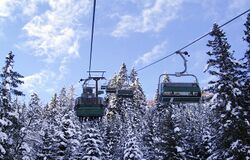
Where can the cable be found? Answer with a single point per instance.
(191, 43)
(92, 37)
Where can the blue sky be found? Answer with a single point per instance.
(51, 38)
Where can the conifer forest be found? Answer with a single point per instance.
(217, 128)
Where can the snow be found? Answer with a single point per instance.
(3, 122)
(228, 106)
(3, 136)
(214, 97)
(179, 149)
(236, 92)
(235, 144)
(26, 147)
(2, 150)
(176, 129)
(206, 67)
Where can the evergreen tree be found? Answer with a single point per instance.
(133, 75)
(8, 117)
(92, 144)
(166, 78)
(137, 109)
(66, 137)
(50, 125)
(166, 134)
(174, 147)
(132, 149)
(122, 77)
(229, 121)
(112, 136)
(247, 39)
(33, 125)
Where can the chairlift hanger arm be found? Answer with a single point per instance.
(185, 61)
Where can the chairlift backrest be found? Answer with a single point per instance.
(179, 92)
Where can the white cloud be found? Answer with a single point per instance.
(7, 7)
(152, 55)
(55, 33)
(37, 81)
(152, 18)
(30, 7)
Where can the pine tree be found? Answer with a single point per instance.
(65, 138)
(174, 147)
(50, 125)
(132, 148)
(166, 78)
(133, 75)
(137, 109)
(122, 77)
(229, 121)
(8, 116)
(167, 134)
(92, 144)
(33, 125)
(112, 137)
(247, 39)
(46, 150)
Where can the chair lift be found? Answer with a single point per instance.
(90, 104)
(126, 91)
(108, 89)
(179, 92)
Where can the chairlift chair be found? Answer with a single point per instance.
(179, 92)
(89, 104)
(125, 93)
(175, 92)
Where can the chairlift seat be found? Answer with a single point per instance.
(125, 93)
(180, 93)
(89, 107)
(103, 87)
(110, 90)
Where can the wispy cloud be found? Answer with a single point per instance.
(152, 55)
(154, 17)
(37, 81)
(7, 7)
(56, 32)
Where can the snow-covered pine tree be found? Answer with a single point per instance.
(166, 78)
(32, 125)
(132, 148)
(166, 133)
(148, 136)
(8, 117)
(172, 136)
(65, 140)
(92, 144)
(245, 130)
(49, 128)
(133, 75)
(138, 107)
(195, 129)
(46, 149)
(117, 105)
(247, 39)
(112, 136)
(226, 90)
(122, 77)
